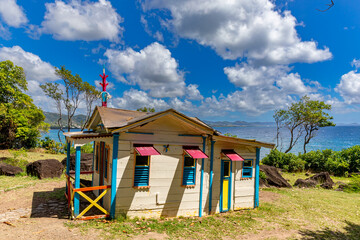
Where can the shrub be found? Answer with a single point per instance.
(51, 145)
(316, 160)
(354, 185)
(287, 161)
(352, 156)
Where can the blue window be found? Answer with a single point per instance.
(247, 170)
(142, 169)
(189, 175)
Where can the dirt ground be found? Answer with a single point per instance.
(48, 213)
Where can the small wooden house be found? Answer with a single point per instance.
(164, 164)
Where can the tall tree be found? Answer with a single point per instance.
(20, 120)
(54, 91)
(303, 118)
(75, 92)
(145, 109)
(315, 118)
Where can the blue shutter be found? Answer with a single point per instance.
(247, 172)
(141, 177)
(189, 176)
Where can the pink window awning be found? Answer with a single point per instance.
(146, 150)
(232, 155)
(195, 152)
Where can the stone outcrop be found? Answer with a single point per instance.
(273, 177)
(9, 170)
(49, 168)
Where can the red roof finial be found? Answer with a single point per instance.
(104, 94)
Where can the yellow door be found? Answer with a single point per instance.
(225, 185)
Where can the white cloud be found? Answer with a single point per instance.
(238, 29)
(82, 20)
(134, 99)
(12, 14)
(193, 93)
(245, 75)
(34, 68)
(152, 68)
(355, 63)
(349, 87)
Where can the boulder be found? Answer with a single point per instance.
(86, 162)
(48, 168)
(305, 183)
(9, 170)
(273, 177)
(323, 178)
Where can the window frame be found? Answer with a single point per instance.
(148, 175)
(183, 171)
(248, 169)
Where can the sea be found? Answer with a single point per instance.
(335, 138)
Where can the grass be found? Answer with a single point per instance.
(21, 158)
(31, 155)
(292, 177)
(301, 211)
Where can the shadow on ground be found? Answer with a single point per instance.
(53, 204)
(351, 231)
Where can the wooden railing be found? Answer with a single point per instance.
(70, 193)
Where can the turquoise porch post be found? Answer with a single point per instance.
(202, 178)
(114, 174)
(257, 175)
(211, 174)
(77, 180)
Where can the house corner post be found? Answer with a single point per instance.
(211, 174)
(77, 180)
(257, 176)
(202, 177)
(114, 174)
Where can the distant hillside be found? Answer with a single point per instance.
(52, 119)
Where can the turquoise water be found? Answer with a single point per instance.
(335, 138)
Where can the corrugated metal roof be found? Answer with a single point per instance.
(113, 117)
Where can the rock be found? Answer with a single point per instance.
(305, 183)
(273, 177)
(263, 183)
(340, 186)
(307, 174)
(9, 170)
(48, 168)
(86, 162)
(324, 179)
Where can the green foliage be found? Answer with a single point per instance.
(51, 146)
(230, 135)
(303, 119)
(338, 163)
(21, 121)
(87, 148)
(262, 175)
(18, 158)
(145, 109)
(354, 185)
(287, 161)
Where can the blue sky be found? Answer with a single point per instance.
(218, 60)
